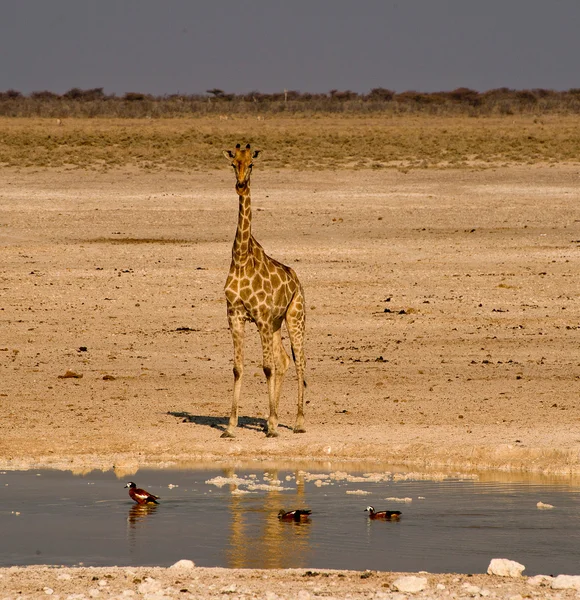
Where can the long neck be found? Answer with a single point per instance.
(241, 246)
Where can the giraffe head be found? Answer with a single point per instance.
(241, 160)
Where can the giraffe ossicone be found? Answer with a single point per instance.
(264, 291)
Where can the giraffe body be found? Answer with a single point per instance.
(266, 292)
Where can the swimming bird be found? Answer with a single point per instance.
(298, 515)
(388, 515)
(141, 496)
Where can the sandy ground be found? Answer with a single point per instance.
(238, 584)
(442, 328)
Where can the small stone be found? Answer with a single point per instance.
(566, 582)
(410, 584)
(184, 563)
(543, 506)
(505, 567)
(64, 576)
(229, 589)
(48, 591)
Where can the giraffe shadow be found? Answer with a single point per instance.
(221, 423)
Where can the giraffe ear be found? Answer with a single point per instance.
(228, 154)
(256, 153)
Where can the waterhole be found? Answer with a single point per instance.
(228, 517)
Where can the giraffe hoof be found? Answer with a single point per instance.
(227, 434)
(299, 430)
(272, 434)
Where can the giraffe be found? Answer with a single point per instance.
(262, 290)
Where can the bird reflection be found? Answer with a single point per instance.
(138, 515)
(139, 512)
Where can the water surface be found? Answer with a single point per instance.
(54, 517)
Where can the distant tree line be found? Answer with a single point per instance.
(95, 103)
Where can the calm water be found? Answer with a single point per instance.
(449, 526)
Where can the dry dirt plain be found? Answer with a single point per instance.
(442, 328)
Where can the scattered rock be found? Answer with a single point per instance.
(184, 563)
(472, 590)
(70, 375)
(410, 584)
(149, 586)
(566, 582)
(543, 506)
(505, 568)
(109, 378)
(539, 579)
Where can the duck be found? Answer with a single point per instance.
(141, 496)
(388, 515)
(297, 515)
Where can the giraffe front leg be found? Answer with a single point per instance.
(267, 338)
(237, 327)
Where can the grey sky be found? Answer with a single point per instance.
(186, 46)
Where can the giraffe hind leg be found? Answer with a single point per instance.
(282, 362)
(295, 323)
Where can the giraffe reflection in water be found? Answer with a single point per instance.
(258, 539)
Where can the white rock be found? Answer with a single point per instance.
(539, 579)
(543, 506)
(440, 586)
(566, 582)
(229, 589)
(64, 576)
(410, 584)
(149, 586)
(505, 568)
(303, 595)
(184, 563)
(472, 590)
(48, 591)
